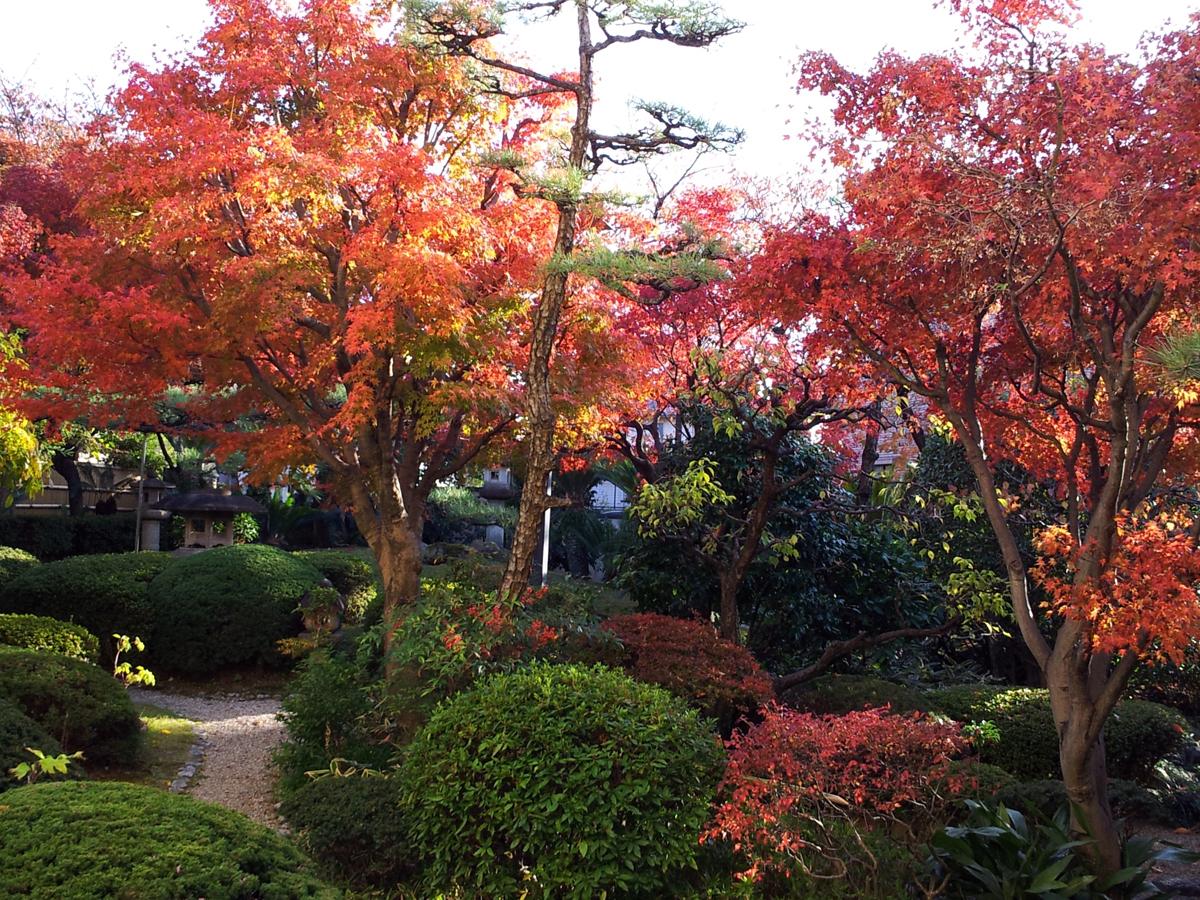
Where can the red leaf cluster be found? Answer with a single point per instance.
(688, 658)
(792, 766)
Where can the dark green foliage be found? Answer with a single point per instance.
(999, 853)
(18, 731)
(353, 827)
(352, 576)
(1174, 685)
(79, 704)
(85, 840)
(1045, 796)
(57, 537)
(14, 561)
(847, 575)
(43, 633)
(227, 607)
(561, 780)
(328, 710)
(105, 593)
(1137, 735)
(839, 694)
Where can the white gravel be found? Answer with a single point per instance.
(241, 733)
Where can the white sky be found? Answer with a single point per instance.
(746, 81)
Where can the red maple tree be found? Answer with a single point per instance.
(1018, 247)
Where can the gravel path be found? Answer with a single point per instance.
(241, 733)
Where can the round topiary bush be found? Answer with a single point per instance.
(351, 575)
(17, 732)
(836, 695)
(43, 633)
(105, 593)
(14, 561)
(1137, 735)
(80, 839)
(353, 827)
(689, 659)
(80, 705)
(564, 780)
(227, 607)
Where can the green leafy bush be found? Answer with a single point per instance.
(57, 537)
(1137, 735)
(352, 576)
(562, 781)
(226, 607)
(14, 561)
(835, 695)
(104, 593)
(18, 731)
(43, 633)
(78, 839)
(79, 704)
(328, 710)
(353, 827)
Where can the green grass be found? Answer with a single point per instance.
(162, 751)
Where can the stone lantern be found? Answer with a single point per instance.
(208, 516)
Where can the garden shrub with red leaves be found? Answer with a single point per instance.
(802, 792)
(689, 659)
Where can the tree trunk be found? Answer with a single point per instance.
(64, 464)
(1082, 760)
(730, 628)
(539, 398)
(398, 553)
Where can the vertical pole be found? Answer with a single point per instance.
(546, 532)
(137, 519)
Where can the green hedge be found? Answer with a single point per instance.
(44, 633)
(352, 575)
(1137, 735)
(839, 694)
(581, 780)
(79, 704)
(54, 537)
(84, 840)
(104, 593)
(353, 827)
(14, 561)
(226, 607)
(18, 731)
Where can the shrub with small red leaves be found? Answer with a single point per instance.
(793, 775)
(688, 658)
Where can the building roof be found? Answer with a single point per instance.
(210, 502)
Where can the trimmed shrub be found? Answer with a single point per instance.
(105, 593)
(57, 537)
(107, 839)
(227, 607)
(51, 635)
(14, 561)
(689, 659)
(579, 781)
(1137, 735)
(353, 827)
(79, 704)
(18, 731)
(352, 576)
(799, 789)
(835, 695)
